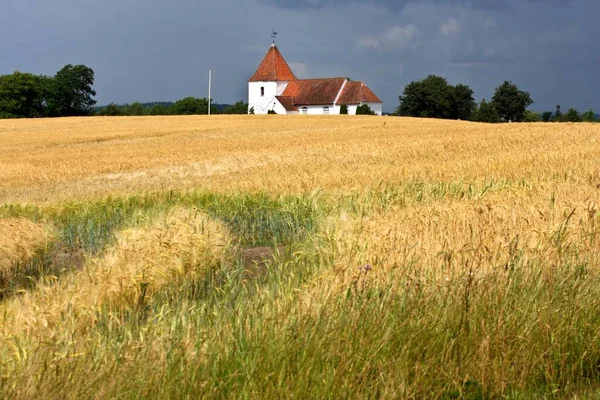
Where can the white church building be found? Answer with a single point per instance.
(274, 87)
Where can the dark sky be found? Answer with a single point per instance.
(159, 50)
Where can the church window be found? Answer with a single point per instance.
(326, 110)
(262, 91)
(304, 110)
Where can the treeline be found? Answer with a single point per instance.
(68, 93)
(185, 106)
(434, 97)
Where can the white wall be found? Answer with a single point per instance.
(262, 104)
(318, 110)
(376, 107)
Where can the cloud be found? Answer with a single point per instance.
(450, 28)
(392, 39)
(398, 5)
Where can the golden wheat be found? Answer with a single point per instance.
(68, 158)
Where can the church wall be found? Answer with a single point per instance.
(318, 110)
(261, 104)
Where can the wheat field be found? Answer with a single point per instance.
(298, 257)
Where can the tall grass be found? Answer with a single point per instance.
(353, 259)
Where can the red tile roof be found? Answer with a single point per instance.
(357, 93)
(314, 91)
(287, 103)
(273, 68)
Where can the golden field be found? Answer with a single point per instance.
(71, 158)
(271, 256)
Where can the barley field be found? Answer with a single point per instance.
(298, 257)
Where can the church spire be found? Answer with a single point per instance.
(273, 67)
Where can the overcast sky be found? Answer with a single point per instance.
(157, 50)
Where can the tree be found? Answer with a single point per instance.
(189, 106)
(531, 116)
(463, 103)
(344, 109)
(557, 113)
(547, 116)
(111, 110)
(589, 116)
(510, 102)
(572, 115)
(486, 113)
(238, 108)
(71, 92)
(364, 109)
(134, 108)
(432, 97)
(156, 109)
(22, 95)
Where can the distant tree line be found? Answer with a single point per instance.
(434, 97)
(66, 94)
(185, 106)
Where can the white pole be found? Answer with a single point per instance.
(209, 88)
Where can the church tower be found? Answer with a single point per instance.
(270, 80)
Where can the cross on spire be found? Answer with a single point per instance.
(274, 35)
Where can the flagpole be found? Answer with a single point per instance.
(209, 88)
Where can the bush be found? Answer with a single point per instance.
(344, 109)
(364, 110)
(271, 112)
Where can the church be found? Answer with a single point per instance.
(275, 88)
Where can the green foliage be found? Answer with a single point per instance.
(433, 97)
(238, 108)
(134, 109)
(191, 106)
(510, 102)
(589, 116)
(251, 111)
(486, 113)
(71, 92)
(547, 116)
(156, 109)
(463, 103)
(572, 115)
(344, 109)
(271, 112)
(531, 116)
(557, 113)
(111, 110)
(364, 109)
(22, 95)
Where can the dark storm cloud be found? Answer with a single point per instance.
(157, 50)
(400, 4)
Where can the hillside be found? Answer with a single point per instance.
(298, 257)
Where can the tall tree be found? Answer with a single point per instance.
(589, 116)
(510, 102)
(486, 113)
(71, 92)
(22, 95)
(463, 103)
(432, 97)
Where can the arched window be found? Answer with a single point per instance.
(262, 91)
(326, 110)
(304, 110)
